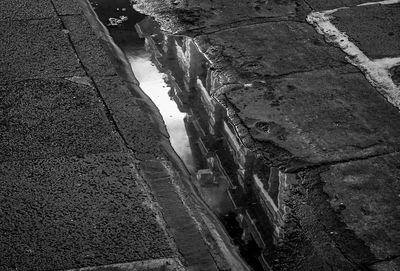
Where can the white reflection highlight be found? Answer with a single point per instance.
(152, 82)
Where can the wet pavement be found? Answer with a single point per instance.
(71, 194)
(216, 135)
(162, 86)
(307, 105)
(85, 169)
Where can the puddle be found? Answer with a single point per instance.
(241, 191)
(152, 81)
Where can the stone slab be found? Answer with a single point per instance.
(68, 7)
(52, 117)
(366, 196)
(390, 265)
(25, 54)
(270, 49)
(369, 26)
(320, 116)
(167, 264)
(181, 225)
(320, 5)
(66, 213)
(136, 125)
(88, 47)
(25, 10)
(204, 16)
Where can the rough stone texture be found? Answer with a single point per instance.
(67, 7)
(395, 74)
(294, 93)
(366, 195)
(379, 23)
(74, 212)
(135, 124)
(88, 46)
(319, 116)
(52, 117)
(25, 54)
(346, 216)
(390, 265)
(101, 193)
(205, 15)
(332, 4)
(165, 264)
(182, 227)
(276, 48)
(24, 10)
(70, 194)
(308, 246)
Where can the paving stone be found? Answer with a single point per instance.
(167, 264)
(181, 225)
(275, 49)
(88, 46)
(307, 99)
(318, 116)
(332, 4)
(390, 265)
(368, 26)
(366, 196)
(207, 15)
(25, 54)
(64, 213)
(67, 7)
(52, 117)
(25, 10)
(137, 126)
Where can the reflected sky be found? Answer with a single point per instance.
(152, 82)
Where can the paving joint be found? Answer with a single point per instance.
(308, 4)
(110, 116)
(338, 162)
(238, 24)
(107, 109)
(29, 19)
(388, 259)
(376, 71)
(164, 264)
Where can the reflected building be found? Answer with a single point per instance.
(246, 194)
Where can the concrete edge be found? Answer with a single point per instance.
(165, 264)
(210, 225)
(119, 57)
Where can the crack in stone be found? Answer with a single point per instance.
(388, 259)
(310, 166)
(167, 264)
(28, 19)
(94, 85)
(243, 23)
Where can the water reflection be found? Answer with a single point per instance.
(223, 166)
(241, 190)
(153, 83)
(246, 194)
